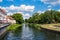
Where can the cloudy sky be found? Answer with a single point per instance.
(28, 7)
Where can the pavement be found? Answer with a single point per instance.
(3, 29)
(3, 25)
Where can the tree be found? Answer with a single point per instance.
(49, 16)
(18, 17)
(26, 20)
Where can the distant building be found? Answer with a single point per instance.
(10, 20)
(2, 16)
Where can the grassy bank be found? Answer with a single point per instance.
(55, 27)
(14, 26)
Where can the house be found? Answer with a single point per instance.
(10, 19)
(3, 16)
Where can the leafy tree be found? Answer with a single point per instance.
(26, 20)
(49, 16)
(18, 17)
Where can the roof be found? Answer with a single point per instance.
(3, 11)
(0, 16)
(9, 17)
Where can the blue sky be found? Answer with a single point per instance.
(28, 7)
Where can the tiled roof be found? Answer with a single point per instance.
(3, 11)
(9, 17)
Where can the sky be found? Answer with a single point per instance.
(28, 7)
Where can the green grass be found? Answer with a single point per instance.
(14, 26)
(37, 26)
(51, 26)
(46, 26)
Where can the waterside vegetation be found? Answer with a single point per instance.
(14, 26)
(50, 19)
(37, 26)
(19, 20)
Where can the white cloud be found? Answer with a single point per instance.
(10, 13)
(20, 12)
(58, 10)
(19, 9)
(49, 9)
(49, 6)
(40, 12)
(1, 0)
(26, 8)
(53, 2)
(26, 16)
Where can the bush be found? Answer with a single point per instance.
(14, 26)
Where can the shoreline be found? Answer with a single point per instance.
(51, 27)
(3, 31)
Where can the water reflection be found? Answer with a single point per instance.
(28, 33)
(14, 35)
(58, 36)
(50, 35)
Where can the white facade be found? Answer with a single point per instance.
(11, 21)
(2, 15)
(4, 18)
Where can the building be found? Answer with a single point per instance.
(3, 16)
(10, 19)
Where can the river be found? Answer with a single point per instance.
(28, 33)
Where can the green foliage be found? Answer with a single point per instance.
(26, 20)
(18, 17)
(50, 16)
(34, 25)
(14, 26)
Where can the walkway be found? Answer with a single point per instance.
(54, 27)
(3, 29)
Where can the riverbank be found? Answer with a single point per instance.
(14, 26)
(37, 26)
(3, 30)
(29, 33)
(9, 28)
(53, 27)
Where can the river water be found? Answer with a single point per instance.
(28, 33)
